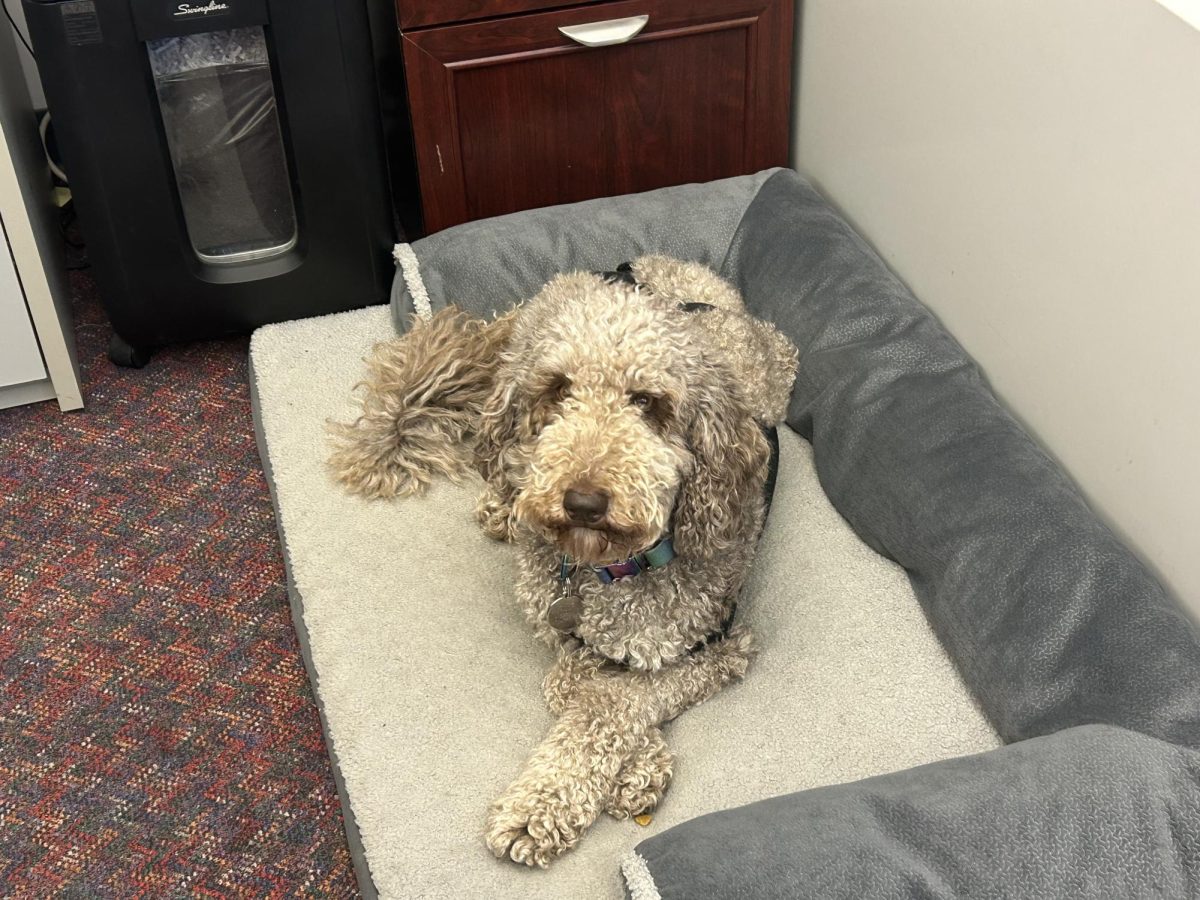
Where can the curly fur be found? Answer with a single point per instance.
(762, 359)
(420, 406)
(599, 387)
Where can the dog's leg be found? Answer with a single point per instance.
(695, 678)
(566, 784)
(646, 774)
(691, 680)
(607, 729)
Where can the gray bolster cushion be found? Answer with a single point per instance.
(1052, 622)
(1093, 811)
(492, 264)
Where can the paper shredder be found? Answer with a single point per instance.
(226, 157)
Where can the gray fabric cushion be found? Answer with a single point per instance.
(1094, 811)
(1052, 620)
(494, 263)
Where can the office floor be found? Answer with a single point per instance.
(158, 733)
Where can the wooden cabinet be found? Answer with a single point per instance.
(508, 113)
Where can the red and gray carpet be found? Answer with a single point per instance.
(158, 737)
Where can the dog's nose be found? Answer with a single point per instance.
(585, 507)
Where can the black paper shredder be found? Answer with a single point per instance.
(227, 158)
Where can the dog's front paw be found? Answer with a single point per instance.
(532, 824)
(494, 515)
(643, 779)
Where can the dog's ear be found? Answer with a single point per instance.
(780, 358)
(421, 402)
(720, 505)
(499, 434)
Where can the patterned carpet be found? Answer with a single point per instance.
(158, 737)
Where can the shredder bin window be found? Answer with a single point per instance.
(217, 100)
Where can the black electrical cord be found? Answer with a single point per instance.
(13, 22)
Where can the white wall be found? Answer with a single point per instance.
(1031, 169)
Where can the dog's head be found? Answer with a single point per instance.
(613, 420)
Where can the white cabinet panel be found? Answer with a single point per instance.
(34, 294)
(20, 358)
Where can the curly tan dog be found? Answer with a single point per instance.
(618, 423)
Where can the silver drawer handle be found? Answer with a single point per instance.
(601, 34)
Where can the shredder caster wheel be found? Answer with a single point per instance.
(125, 354)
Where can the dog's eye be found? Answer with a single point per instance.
(654, 408)
(556, 390)
(547, 399)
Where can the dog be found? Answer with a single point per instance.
(620, 424)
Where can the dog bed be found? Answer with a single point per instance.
(429, 682)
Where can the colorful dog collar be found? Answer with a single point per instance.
(655, 557)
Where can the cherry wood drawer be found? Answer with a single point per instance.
(510, 114)
(422, 13)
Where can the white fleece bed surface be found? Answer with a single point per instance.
(429, 680)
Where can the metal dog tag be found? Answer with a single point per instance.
(564, 613)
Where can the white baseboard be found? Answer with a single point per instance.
(29, 392)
